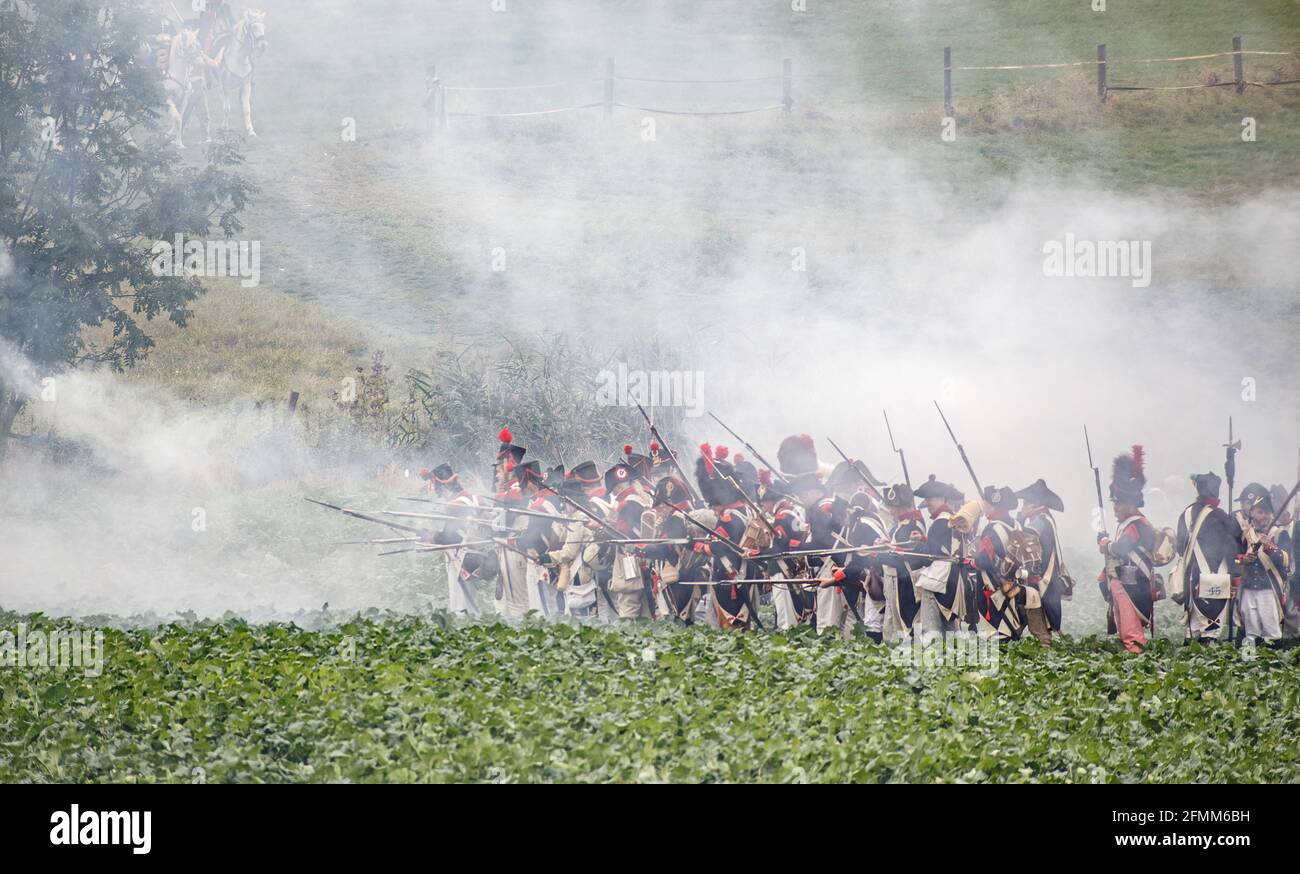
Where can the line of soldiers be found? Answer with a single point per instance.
(835, 548)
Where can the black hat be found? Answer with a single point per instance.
(849, 475)
(797, 455)
(528, 473)
(712, 473)
(899, 497)
(934, 488)
(1128, 477)
(1279, 494)
(671, 490)
(507, 441)
(510, 456)
(1001, 498)
(585, 474)
(746, 474)
(1038, 493)
(617, 476)
(640, 464)
(1207, 484)
(776, 491)
(1251, 494)
(554, 477)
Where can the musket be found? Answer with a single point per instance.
(379, 540)
(1230, 462)
(672, 456)
(1096, 478)
(575, 505)
(706, 529)
(755, 508)
(441, 547)
(870, 488)
(1230, 473)
(347, 512)
(961, 450)
(1253, 549)
(901, 457)
(471, 520)
(752, 451)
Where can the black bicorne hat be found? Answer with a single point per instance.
(640, 464)
(1001, 498)
(524, 474)
(554, 477)
(935, 488)
(1207, 484)
(776, 491)
(671, 490)
(899, 497)
(618, 476)
(1252, 493)
(1038, 493)
(585, 473)
(847, 476)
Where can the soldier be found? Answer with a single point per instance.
(942, 604)
(1266, 562)
(1207, 544)
(630, 514)
(794, 603)
(673, 564)
(542, 535)
(1003, 600)
(900, 596)
(1127, 582)
(840, 600)
(462, 595)
(513, 597)
(1050, 576)
(576, 558)
(732, 602)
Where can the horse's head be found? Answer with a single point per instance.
(186, 45)
(252, 29)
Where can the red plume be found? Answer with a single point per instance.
(506, 436)
(1139, 461)
(765, 477)
(654, 446)
(425, 473)
(737, 458)
(721, 453)
(706, 450)
(627, 448)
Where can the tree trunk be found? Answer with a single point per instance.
(10, 405)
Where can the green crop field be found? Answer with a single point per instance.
(416, 699)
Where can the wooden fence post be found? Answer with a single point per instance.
(609, 88)
(786, 99)
(1101, 72)
(1238, 68)
(947, 82)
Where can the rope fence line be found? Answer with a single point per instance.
(435, 96)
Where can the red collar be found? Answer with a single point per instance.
(999, 516)
(1210, 502)
(910, 516)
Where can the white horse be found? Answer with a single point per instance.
(184, 62)
(237, 51)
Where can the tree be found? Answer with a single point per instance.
(88, 183)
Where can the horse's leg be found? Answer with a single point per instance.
(248, 105)
(178, 121)
(225, 99)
